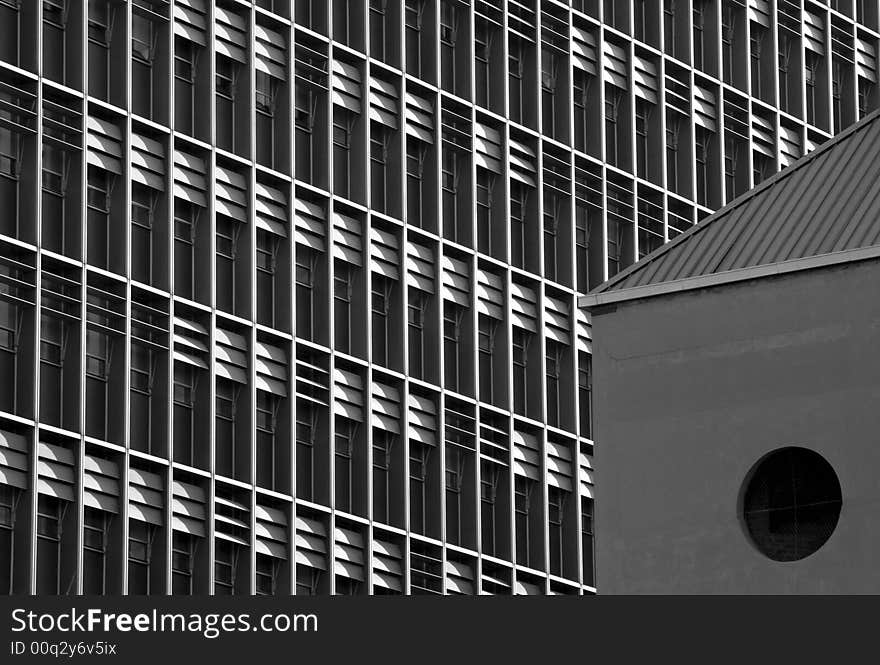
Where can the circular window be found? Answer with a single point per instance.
(791, 503)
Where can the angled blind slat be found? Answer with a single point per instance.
(230, 35)
(147, 162)
(270, 52)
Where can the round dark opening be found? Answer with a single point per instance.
(791, 503)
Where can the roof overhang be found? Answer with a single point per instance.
(728, 277)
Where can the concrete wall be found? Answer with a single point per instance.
(694, 388)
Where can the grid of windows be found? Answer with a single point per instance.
(240, 319)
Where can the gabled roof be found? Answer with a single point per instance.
(823, 209)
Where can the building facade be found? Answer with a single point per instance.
(289, 289)
(738, 410)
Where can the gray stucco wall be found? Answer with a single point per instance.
(693, 388)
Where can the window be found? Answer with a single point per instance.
(186, 55)
(143, 47)
(556, 500)
(585, 394)
(266, 420)
(142, 38)
(413, 10)
(96, 525)
(521, 341)
(10, 154)
(519, 196)
(9, 498)
(608, 13)
(266, 94)
(342, 306)
(50, 515)
(305, 296)
(515, 78)
(549, 74)
(522, 506)
(419, 454)
(669, 26)
(785, 46)
(267, 252)
(383, 289)
(10, 321)
(791, 503)
(142, 368)
(415, 165)
(416, 332)
(98, 347)
(305, 450)
(448, 19)
(55, 14)
(225, 404)
(487, 330)
(143, 205)
(345, 586)
(731, 153)
(489, 480)
(225, 567)
(307, 579)
(266, 575)
(226, 75)
(640, 20)
(380, 137)
(186, 217)
(756, 46)
(613, 97)
(99, 189)
(454, 478)
(811, 68)
(183, 549)
(673, 129)
(382, 444)
(226, 239)
(343, 125)
(838, 84)
(485, 185)
(581, 86)
(449, 183)
(343, 449)
(341, 23)
(582, 228)
(452, 319)
(552, 214)
(55, 168)
(305, 105)
(226, 70)
(727, 37)
(703, 145)
(587, 541)
(554, 358)
(482, 46)
(267, 412)
(699, 18)
(643, 113)
(762, 167)
(140, 554)
(377, 29)
(614, 242)
(184, 385)
(865, 95)
(101, 16)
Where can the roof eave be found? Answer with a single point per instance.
(731, 276)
